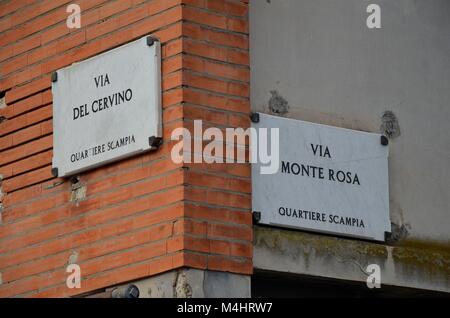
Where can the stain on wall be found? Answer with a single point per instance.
(389, 125)
(278, 104)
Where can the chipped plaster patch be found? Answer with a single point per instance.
(389, 125)
(278, 104)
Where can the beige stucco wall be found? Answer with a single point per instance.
(330, 68)
(320, 58)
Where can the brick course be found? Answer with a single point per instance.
(143, 215)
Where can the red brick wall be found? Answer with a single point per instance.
(144, 215)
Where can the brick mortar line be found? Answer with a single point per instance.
(183, 70)
(215, 44)
(116, 252)
(62, 22)
(168, 59)
(211, 252)
(19, 174)
(99, 178)
(28, 171)
(39, 137)
(118, 220)
(25, 141)
(108, 222)
(135, 247)
(211, 124)
(35, 17)
(220, 190)
(41, 77)
(221, 239)
(183, 252)
(220, 46)
(214, 221)
(211, 109)
(143, 229)
(97, 226)
(214, 12)
(52, 57)
(84, 29)
(31, 184)
(219, 173)
(172, 89)
(231, 224)
(208, 92)
(214, 173)
(28, 125)
(168, 75)
(36, 138)
(207, 108)
(40, 290)
(45, 13)
(224, 239)
(214, 206)
(96, 210)
(38, 107)
(32, 109)
(211, 60)
(22, 158)
(41, 62)
(218, 30)
(59, 54)
(214, 77)
(121, 172)
(42, 136)
(12, 12)
(107, 238)
(50, 195)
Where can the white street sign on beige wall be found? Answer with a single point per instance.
(331, 180)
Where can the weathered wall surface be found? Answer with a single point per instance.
(140, 216)
(318, 61)
(339, 258)
(194, 283)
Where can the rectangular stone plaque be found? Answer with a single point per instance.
(331, 180)
(107, 107)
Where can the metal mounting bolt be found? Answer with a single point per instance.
(151, 40)
(155, 142)
(54, 77)
(256, 216)
(74, 180)
(55, 172)
(129, 291)
(254, 117)
(387, 236)
(384, 140)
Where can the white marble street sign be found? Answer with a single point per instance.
(107, 107)
(331, 180)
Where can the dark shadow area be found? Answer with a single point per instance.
(285, 285)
